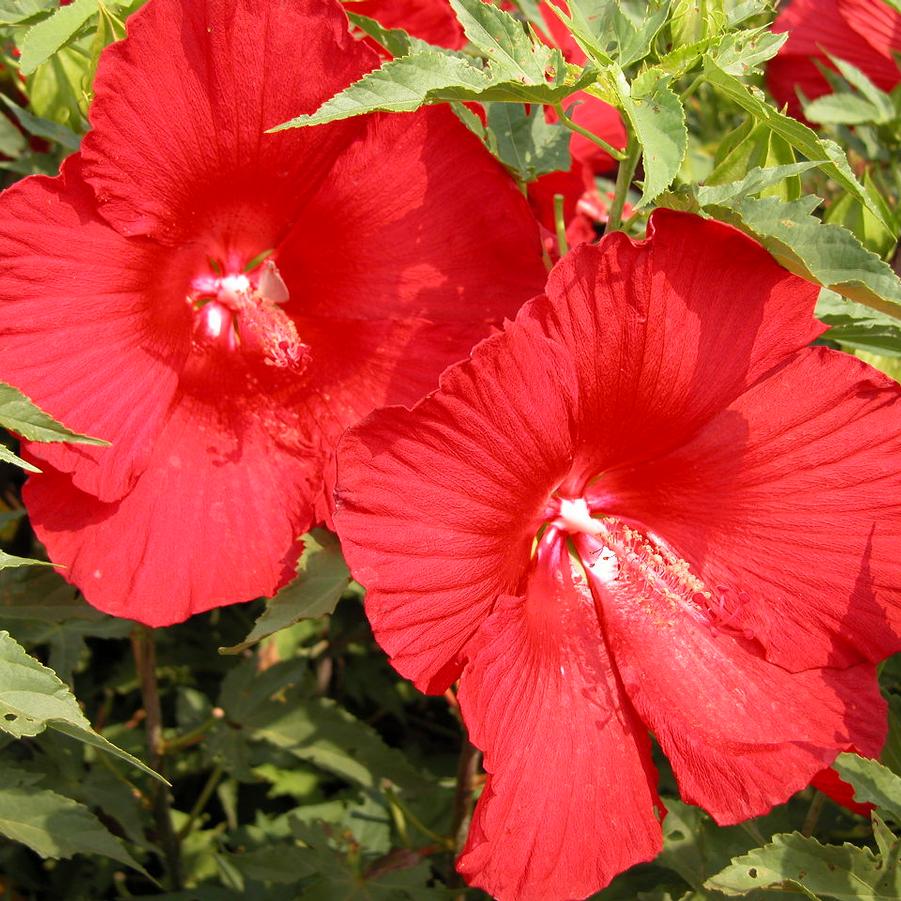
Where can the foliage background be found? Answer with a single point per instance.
(298, 763)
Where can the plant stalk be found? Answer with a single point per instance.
(143, 649)
(623, 182)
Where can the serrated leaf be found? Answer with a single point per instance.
(794, 861)
(43, 128)
(7, 456)
(18, 414)
(33, 698)
(42, 40)
(526, 142)
(755, 181)
(322, 577)
(829, 155)
(826, 254)
(395, 40)
(657, 118)
(55, 826)
(742, 52)
(519, 70)
(857, 327)
(873, 783)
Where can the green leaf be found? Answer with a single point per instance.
(18, 414)
(17, 12)
(43, 128)
(319, 732)
(826, 254)
(41, 41)
(7, 456)
(828, 155)
(395, 40)
(12, 141)
(657, 118)
(841, 109)
(519, 70)
(55, 826)
(526, 142)
(857, 327)
(322, 577)
(32, 698)
(795, 862)
(873, 783)
(8, 560)
(755, 181)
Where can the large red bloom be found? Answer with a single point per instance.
(647, 505)
(131, 307)
(865, 33)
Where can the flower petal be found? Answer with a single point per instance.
(436, 509)
(741, 734)
(212, 520)
(395, 231)
(668, 331)
(202, 114)
(791, 498)
(570, 797)
(98, 345)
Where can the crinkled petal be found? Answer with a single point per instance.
(569, 801)
(790, 500)
(430, 20)
(212, 520)
(194, 88)
(436, 508)
(741, 734)
(93, 327)
(397, 231)
(669, 331)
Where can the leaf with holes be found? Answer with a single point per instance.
(32, 698)
(873, 783)
(793, 861)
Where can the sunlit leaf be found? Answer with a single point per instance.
(873, 783)
(42, 40)
(18, 414)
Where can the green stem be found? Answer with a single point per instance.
(144, 651)
(572, 126)
(560, 225)
(813, 814)
(202, 801)
(467, 768)
(623, 182)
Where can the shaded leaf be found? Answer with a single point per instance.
(857, 327)
(43, 128)
(322, 576)
(526, 142)
(830, 156)
(56, 826)
(9, 560)
(32, 698)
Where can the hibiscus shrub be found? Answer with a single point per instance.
(543, 354)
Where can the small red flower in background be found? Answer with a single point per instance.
(647, 505)
(865, 33)
(220, 303)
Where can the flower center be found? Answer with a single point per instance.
(239, 312)
(633, 562)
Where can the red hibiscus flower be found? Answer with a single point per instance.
(865, 33)
(430, 20)
(647, 505)
(134, 304)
